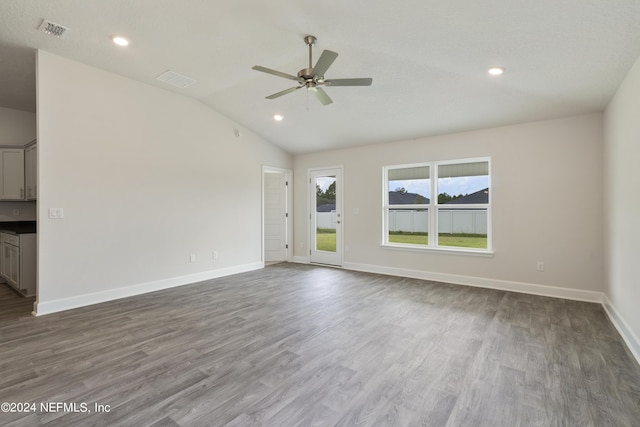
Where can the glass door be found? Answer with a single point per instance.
(326, 216)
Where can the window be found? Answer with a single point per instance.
(460, 209)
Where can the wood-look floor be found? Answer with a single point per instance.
(301, 345)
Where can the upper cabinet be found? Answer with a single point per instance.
(31, 171)
(12, 174)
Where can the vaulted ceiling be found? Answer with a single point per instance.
(428, 59)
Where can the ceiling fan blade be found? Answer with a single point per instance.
(324, 62)
(322, 96)
(284, 92)
(349, 82)
(274, 72)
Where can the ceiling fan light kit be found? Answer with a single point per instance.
(313, 77)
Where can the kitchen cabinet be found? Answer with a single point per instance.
(4, 258)
(18, 261)
(31, 171)
(12, 174)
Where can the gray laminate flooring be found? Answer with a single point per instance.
(294, 344)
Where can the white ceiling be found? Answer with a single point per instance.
(428, 59)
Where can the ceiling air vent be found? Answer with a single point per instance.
(175, 79)
(52, 29)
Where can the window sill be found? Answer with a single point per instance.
(439, 250)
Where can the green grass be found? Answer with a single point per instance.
(452, 240)
(461, 241)
(326, 240)
(325, 230)
(409, 239)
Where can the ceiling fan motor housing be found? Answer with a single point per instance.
(306, 73)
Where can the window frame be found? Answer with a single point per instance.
(434, 208)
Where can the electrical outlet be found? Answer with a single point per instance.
(192, 258)
(16, 212)
(56, 213)
(215, 255)
(540, 266)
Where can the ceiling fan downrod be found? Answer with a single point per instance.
(306, 74)
(310, 41)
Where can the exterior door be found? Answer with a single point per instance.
(326, 223)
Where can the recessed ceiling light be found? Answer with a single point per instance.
(496, 71)
(120, 41)
(278, 118)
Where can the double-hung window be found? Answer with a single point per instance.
(452, 197)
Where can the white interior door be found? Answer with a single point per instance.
(276, 245)
(326, 225)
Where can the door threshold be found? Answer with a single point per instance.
(325, 265)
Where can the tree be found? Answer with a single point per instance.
(327, 197)
(330, 193)
(400, 190)
(444, 198)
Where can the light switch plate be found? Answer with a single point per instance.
(56, 213)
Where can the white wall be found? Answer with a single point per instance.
(146, 177)
(16, 127)
(547, 186)
(622, 197)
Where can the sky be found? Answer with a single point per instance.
(452, 186)
(325, 181)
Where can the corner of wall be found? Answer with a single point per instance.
(623, 328)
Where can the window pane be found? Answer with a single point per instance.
(409, 226)
(463, 228)
(409, 186)
(463, 183)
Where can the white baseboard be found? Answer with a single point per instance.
(62, 304)
(503, 285)
(623, 328)
(632, 341)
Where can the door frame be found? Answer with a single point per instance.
(339, 203)
(289, 209)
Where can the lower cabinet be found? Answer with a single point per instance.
(18, 261)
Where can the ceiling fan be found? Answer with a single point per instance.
(313, 77)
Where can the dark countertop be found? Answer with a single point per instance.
(18, 227)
